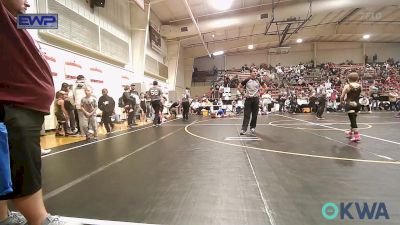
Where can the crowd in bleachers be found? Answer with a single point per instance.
(300, 88)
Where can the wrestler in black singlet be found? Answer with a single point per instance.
(352, 99)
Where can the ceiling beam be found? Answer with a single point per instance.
(228, 11)
(348, 15)
(153, 2)
(284, 33)
(311, 31)
(196, 25)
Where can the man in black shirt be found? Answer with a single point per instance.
(69, 107)
(281, 100)
(106, 105)
(130, 103)
(173, 109)
(375, 100)
(321, 105)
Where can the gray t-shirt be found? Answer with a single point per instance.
(252, 87)
(89, 103)
(155, 93)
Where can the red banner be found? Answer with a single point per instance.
(96, 81)
(69, 77)
(73, 64)
(49, 58)
(96, 70)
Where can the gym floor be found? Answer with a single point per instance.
(202, 171)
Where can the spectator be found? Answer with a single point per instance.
(61, 114)
(393, 99)
(130, 103)
(185, 106)
(79, 93)
(88, 109)
(106, 105)
(364, 103)
(321, 105)
(69, 107)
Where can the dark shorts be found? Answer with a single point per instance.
(23, 127)
(353, 107)
(60, 117)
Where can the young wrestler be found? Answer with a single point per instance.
(350, 98)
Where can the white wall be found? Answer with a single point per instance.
(383, 51)
(237, 61)
(339, 52)
(199, 91)
(292, 58)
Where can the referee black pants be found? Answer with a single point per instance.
(250, 109)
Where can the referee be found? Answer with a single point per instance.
(252, 88)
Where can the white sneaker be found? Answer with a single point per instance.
(45, 151)
(253, 130)
(14, 218)
(55, 220)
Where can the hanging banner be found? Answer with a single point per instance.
(155, 39)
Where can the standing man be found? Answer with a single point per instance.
(88, 109)
(321, 105)
(156, 95)
(252, 87)
(136, 106)
(69, 106)
(186, 106)
(129, 102)
(79, 93)
(106, 105)
(26, 93)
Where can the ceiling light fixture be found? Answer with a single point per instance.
(299, 40)
(366, 36)
(220, 4)
(218, 53)
(250, 47)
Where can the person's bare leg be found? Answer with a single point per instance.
(32, 207)
(3, 210)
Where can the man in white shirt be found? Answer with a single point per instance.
(267, 102)
(195, 106)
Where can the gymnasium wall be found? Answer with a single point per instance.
(336, 52)
(66, 65)
(199, 90)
